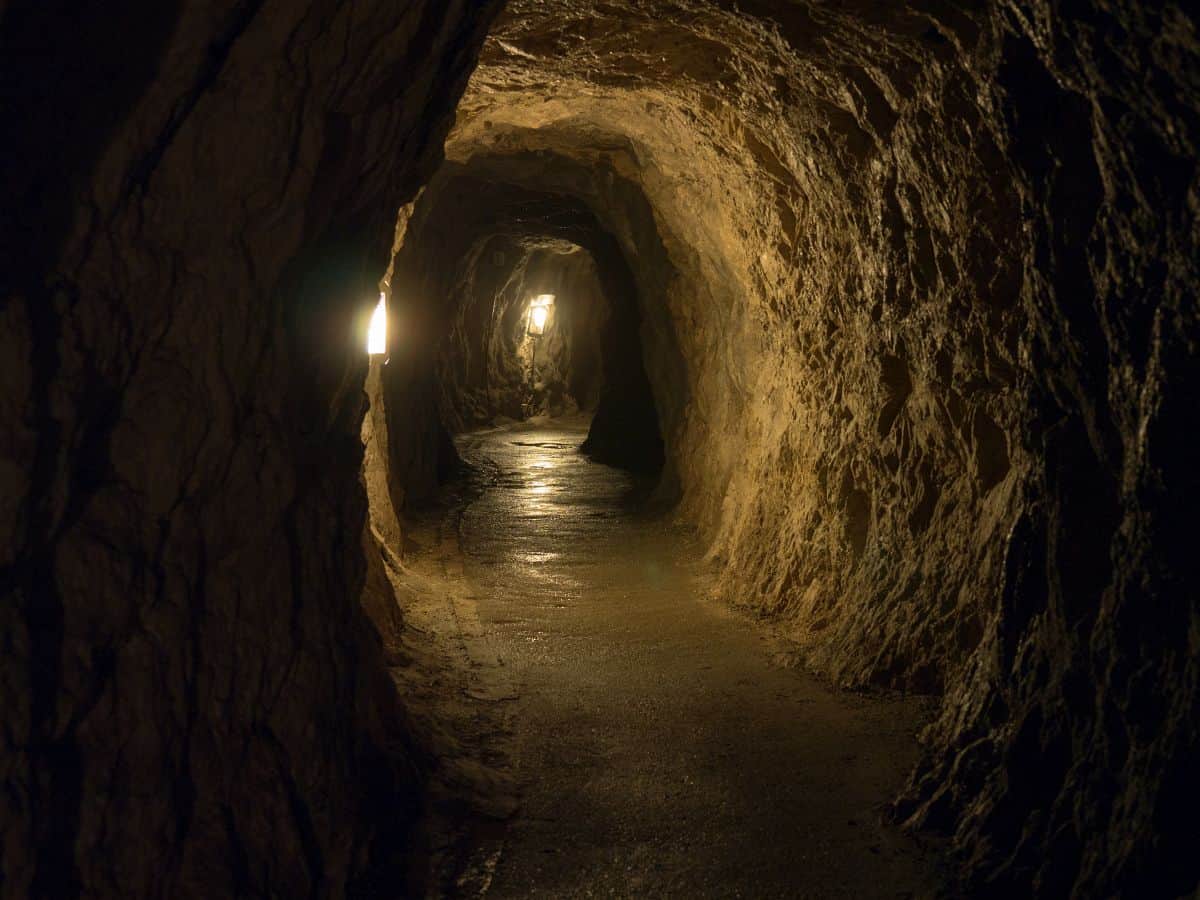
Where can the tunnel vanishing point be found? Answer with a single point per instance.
(894, 304)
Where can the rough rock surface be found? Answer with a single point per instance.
(916, 298)
(918, 291)
(198, 199)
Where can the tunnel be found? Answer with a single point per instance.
(479, 249)
(770, 473)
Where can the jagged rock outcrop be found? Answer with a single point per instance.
(198, 203)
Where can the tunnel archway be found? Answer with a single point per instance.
(483, 238)
(493, 366)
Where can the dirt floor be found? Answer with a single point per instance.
(626, 735)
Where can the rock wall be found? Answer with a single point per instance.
(930, 272)
(916, 305)
(198, 204)
(1063, 756)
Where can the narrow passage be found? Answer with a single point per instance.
(662, 748)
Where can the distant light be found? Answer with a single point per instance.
(539, 313)
(537, 320)
(377, 336)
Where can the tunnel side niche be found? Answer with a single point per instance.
(198, 204)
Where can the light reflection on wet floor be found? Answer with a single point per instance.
(661, 752)
(545, 521)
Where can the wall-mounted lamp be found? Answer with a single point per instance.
(539, 313)
(377, 333)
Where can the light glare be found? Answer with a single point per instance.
(539, 313)
(377, 335)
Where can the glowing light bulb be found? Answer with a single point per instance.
(377, 335)
(539, 313)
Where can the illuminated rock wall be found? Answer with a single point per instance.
(918, 297)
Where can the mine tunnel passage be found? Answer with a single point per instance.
(914, 287)
(658, 743)
(652, 729)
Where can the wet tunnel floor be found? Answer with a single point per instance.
(660, 749)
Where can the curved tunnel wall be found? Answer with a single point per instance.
(933, 287)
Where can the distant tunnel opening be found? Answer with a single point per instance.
(525, 338)
(476, 250)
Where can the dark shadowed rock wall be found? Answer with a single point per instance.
(198, 201)
(1065, 755)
